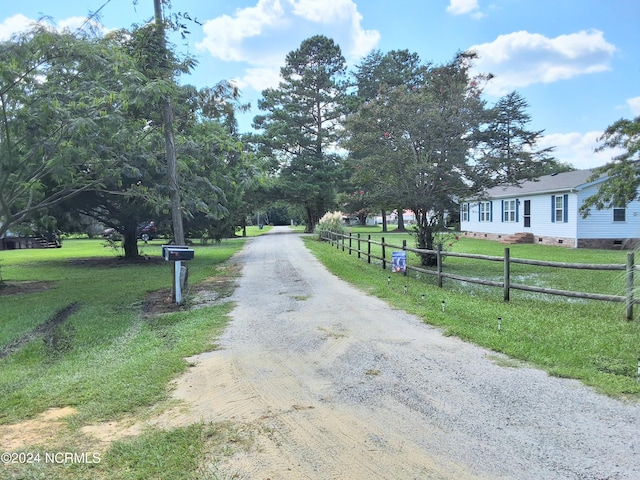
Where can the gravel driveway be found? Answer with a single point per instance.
(335, 384)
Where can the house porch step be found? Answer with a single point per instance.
(518, 238)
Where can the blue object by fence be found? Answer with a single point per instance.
(399, 261)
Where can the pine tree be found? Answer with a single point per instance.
(300, 128)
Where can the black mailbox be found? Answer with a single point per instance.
(177, 252)
(165, 247)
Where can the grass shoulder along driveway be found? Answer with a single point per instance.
(107, 356)
(585, 340)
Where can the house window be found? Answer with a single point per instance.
(485, 211)
(560, 208)
(619, 214)
(509, 211)
(465, 212)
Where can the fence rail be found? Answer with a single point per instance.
(346, 242)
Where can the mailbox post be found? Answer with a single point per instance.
(177, 254)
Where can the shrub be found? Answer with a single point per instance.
(332, 222)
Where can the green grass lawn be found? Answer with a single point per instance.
(255, 230)
(586, 340)
(606, 282)
(106, 359)
(298, 228)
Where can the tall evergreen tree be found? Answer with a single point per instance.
(624, 169)
(508, 147)
(301, 126)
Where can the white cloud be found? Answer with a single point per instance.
(634, 103)
(75, 23)
(521, 58)
(578, 149)
(224, 36)
(19, 23)
(260, 78)
(262, 35)
(324, 12)
(463, 7)
(460, 7)
(12, 25)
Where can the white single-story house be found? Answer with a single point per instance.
(546, 211)
(408, 216)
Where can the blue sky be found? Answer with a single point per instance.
(576, 62)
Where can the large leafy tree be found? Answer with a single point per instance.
(248, 191)
(380, 71)
(375, 77)
(623, 171)
(419, 144)
(301, 125)
(219, 174)
(210, 156)
(414, 140)
(137, 190)
(62, 102)
(134, 189)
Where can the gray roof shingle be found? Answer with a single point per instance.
(549, 183)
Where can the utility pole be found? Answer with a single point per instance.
(172, 168)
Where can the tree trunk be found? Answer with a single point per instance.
(311, 220)
(424, 240)
(401, 227)
(130, 242)
(384, 221)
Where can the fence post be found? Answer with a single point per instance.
(630, 269)
(384, 257)
(368, 248)
(358, 245)
(342, 241)
(439, 264)
(404, 247)
(350, 237)
(507, 273)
